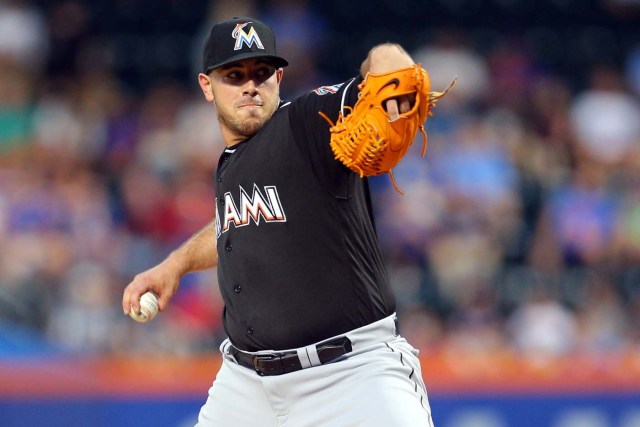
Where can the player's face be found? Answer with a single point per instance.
(246, 94)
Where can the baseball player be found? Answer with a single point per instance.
(312, 336)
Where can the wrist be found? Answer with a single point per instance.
(176, 263)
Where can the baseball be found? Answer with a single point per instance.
(148, 308)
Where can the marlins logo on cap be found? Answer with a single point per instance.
(250, 38)
(241, 37)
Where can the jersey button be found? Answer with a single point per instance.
(228, 246)
(250, 330)
(237, 289)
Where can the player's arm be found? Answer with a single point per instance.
(197, 253)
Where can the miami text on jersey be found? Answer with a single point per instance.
(264, 205)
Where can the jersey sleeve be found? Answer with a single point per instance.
(312, 136)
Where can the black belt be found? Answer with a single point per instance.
(278, 363)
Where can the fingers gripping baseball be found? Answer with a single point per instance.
(159, 279)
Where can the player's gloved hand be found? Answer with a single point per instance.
(374, 135)
(387, 58)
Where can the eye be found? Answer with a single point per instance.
(263, 73)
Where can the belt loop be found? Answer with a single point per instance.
(305, 362)
(227, 352)
(312, 355)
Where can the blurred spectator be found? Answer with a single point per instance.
(69, 32)
(476, 327)
(605, 117)
(578, 224)
(87, 310)
(601, 318)
(449, 56)
(512, 69)
(23, 39)
(542, 327)
(16, 93)
(477, 178)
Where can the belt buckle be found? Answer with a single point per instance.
(258, 362)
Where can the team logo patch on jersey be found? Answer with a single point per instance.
(323, 90)
(260, 206)
(242, 36)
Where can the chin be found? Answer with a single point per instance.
(252, 126)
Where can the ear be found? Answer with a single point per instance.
(205, 85)
(279, 73)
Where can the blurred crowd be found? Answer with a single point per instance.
(519, 230)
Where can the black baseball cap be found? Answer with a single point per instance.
(238, 39)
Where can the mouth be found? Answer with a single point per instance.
(249, 103)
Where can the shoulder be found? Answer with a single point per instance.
(327, 98)
(331, 91)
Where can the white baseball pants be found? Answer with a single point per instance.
(378, 384)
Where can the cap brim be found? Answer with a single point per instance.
(277, 61)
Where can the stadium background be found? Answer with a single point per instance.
(514, 253)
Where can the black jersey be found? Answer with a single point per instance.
(298, 258)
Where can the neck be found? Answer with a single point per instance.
(231, 138)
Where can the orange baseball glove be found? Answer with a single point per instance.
(366, 140)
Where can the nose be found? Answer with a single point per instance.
(249, 87)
